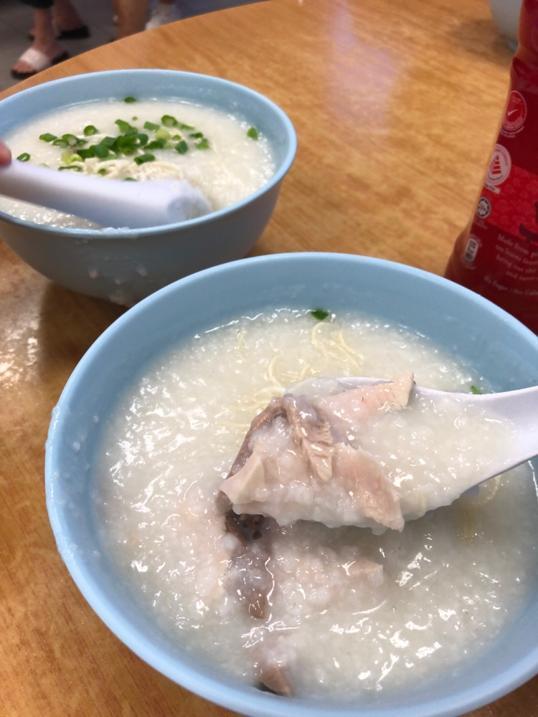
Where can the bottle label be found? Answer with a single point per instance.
(515, 116)
(498, 255)
(503, 241)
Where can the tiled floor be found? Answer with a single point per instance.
(15, 21)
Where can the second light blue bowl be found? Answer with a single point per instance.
(125, 265)
(494, 343)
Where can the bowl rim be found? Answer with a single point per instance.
(237, 696)
(120, 232)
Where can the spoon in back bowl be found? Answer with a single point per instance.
(519, 407)
(110, 203)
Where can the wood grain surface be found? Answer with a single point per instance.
(396, 106)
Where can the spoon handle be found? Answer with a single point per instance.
(110, 202)
(521, 408)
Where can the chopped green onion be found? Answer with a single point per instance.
(320, 314)
(253, 133)
(90, 130)
(86, 153)
(124, 127)
(71, 140)
(130, 179)
(162, 134)
(196, 135)
(122, 145)
(126, 149)
(110, 147)
(169, 121)
(103, 172)
(129, 99)
(151, 126)
(101, 151)
(476, 390)
(129, 143)
(143, 158)
(24, 157)
(68, 157)
(156, 144)
(71, 167)
(184, 127)
(134, 118)
(202, 144)
(182, 147)
(47, 137)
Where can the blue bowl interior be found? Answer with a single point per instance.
(494, 343)
(221, 94)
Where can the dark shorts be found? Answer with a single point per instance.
(39, 4)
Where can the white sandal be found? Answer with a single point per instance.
(38, 61)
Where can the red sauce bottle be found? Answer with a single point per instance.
(497, 254)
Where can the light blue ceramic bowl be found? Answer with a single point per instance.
(497, 345)
(126, 265)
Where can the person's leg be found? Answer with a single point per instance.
(44, 42)
(38, 5)
(66, 16)
(68, 23)
(132, 15)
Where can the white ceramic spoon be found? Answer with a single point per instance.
(520, 407)
(110, 203)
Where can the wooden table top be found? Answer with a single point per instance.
(396, 106)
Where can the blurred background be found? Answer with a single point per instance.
(101, 19)
(98, 15)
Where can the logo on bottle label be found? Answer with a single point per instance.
(471, 249)
(516, 114)
(499, 167)
(483, 210)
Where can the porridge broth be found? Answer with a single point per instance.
(170, 443)
(221, 158)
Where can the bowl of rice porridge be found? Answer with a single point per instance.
(203, 485)
(228, 141)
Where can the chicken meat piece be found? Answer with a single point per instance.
(300, 460)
